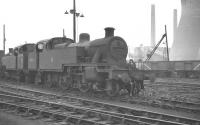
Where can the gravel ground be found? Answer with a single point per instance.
(9, 119)
(142, 95)
(187, 90)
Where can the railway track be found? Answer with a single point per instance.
(54, 112)
(183, 85)
(170, 104)
(181, 96)
(122, 114)
(162, 103)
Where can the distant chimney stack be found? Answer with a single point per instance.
(4, 38)
(84, 37)
(109, 32)
(153, 26)
(175, 22)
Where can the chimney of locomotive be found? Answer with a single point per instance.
(84, 37)
(109, 31)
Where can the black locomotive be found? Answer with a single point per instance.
(98, 65)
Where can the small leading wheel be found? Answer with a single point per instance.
(112, 88)
(84, 87)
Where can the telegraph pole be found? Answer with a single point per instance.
(74, 20)
(75, 15)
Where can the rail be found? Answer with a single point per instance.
(133, 114)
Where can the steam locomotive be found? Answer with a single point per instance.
(98, 65)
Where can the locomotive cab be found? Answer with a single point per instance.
(22, 56)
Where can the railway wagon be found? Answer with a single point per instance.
(186, 69)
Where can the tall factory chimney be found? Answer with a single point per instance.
(153, 28)
(4, 38)
(174, 22)
(186, 44)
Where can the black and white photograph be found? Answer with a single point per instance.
(99, 62)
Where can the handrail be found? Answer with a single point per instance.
(195, 68)
(147, 66)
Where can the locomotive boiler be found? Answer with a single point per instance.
(98, 65)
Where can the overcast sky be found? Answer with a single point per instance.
(34, 20)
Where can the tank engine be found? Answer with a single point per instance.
(15, 62)
(98, 65)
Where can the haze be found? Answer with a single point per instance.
(33, 20)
